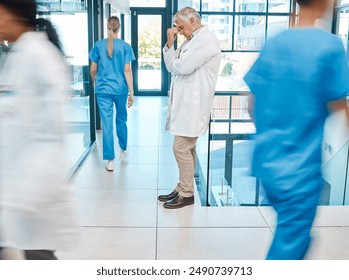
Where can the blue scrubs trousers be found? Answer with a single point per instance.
(295, 201)
(106, 109)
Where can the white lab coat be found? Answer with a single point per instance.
(35, 199)
(194, 68)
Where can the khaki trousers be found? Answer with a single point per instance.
(185, 154)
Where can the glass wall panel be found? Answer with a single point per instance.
(72, 29)
(217, 6)
(243, 186)
(149, 52)
(70, 20)
(277, 24)
(201, 167)
(230, 108)
(342, 2)
(335, 177)
(220, 127)
(222, 26)
(343, 27)
(189, 3)
(257, 6)
(220, 108)
(127, 28)
(279, 6)
(249, 32)
(230, 114)
(229, 179)
(234, 66)
(60, 5)
(219, 192)
(147, 3)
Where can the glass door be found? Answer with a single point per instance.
(71, 23)
(147, 40)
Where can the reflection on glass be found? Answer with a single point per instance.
(147, 3)
(249, 32)
(217, 6)
(149, 52)
(277, 24)
(202, 166)
(335, 176)
(219, 128)
(220, 107)
(222, 27)
(343, 27)
(218, 188)
(72, 30)
(60, 6)
(279, 6)
(230, 182)
(232, 70)
(127, 28)
(230, 107)
(251, 6)
(190, 3)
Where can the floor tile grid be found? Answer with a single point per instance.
(205, 232)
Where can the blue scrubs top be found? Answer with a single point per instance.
(297, 73)
(110, 73)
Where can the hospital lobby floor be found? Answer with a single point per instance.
(119, 217)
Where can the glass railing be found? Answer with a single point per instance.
(224, 154)
(224, 158)
(335, 175)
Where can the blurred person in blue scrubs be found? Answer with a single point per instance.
(300, 77)
(111, 73)
(36, 214)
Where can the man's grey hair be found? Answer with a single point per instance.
(186, 14)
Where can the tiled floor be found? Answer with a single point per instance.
(120, 218)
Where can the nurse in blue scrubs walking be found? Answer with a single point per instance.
(300, 76)
(110, 70)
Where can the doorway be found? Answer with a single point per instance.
(148, 36)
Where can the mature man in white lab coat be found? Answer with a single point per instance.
(194, 68)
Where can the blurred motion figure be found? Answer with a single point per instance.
(35, 201)
(300, 76)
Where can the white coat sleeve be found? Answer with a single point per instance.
(169, 57)
(192, 58)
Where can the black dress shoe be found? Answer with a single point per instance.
(179, 202)
(167, 197)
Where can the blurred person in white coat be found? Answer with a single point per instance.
(194, 68)
(35, 200)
